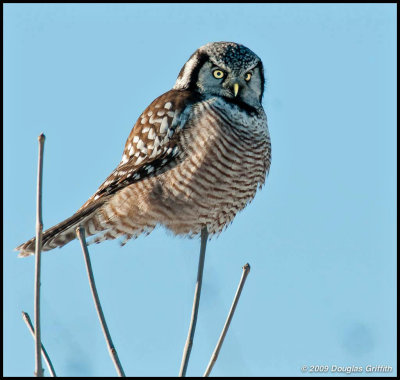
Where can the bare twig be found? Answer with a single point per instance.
(196, 301)
(27, 319)
(214, 357)
(38, 249)
(80, 232)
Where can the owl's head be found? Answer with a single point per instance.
(224, 69)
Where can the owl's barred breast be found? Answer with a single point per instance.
(224, 160)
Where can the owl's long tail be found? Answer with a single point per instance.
(62, 233)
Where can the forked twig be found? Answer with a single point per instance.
(38, 249)
(196, 301)
(27, 319)
(80, 232)
(214, 357)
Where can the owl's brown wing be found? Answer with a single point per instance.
(153, 144)
(151, 148)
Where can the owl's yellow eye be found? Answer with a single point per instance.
(219, 74)
(247, 77)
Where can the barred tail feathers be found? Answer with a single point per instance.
(64, 232)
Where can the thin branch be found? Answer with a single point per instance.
(27, 319)
(38, 249)
(80, 232)
(214, 357)
(196, 301)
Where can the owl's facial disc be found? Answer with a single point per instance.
(235, 85)
(224, 69)
(220, 74)
(241, 84)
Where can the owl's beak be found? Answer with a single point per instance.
(235, 89)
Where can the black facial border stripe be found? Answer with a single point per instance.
(261, 67)
(201, 60)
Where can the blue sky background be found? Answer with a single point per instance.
(320, 236)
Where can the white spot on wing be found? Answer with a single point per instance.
(152, 120)
(140, 144)
(156, 142)
(139, 160)
(164, 125)
(154, 153)
(151, 135)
